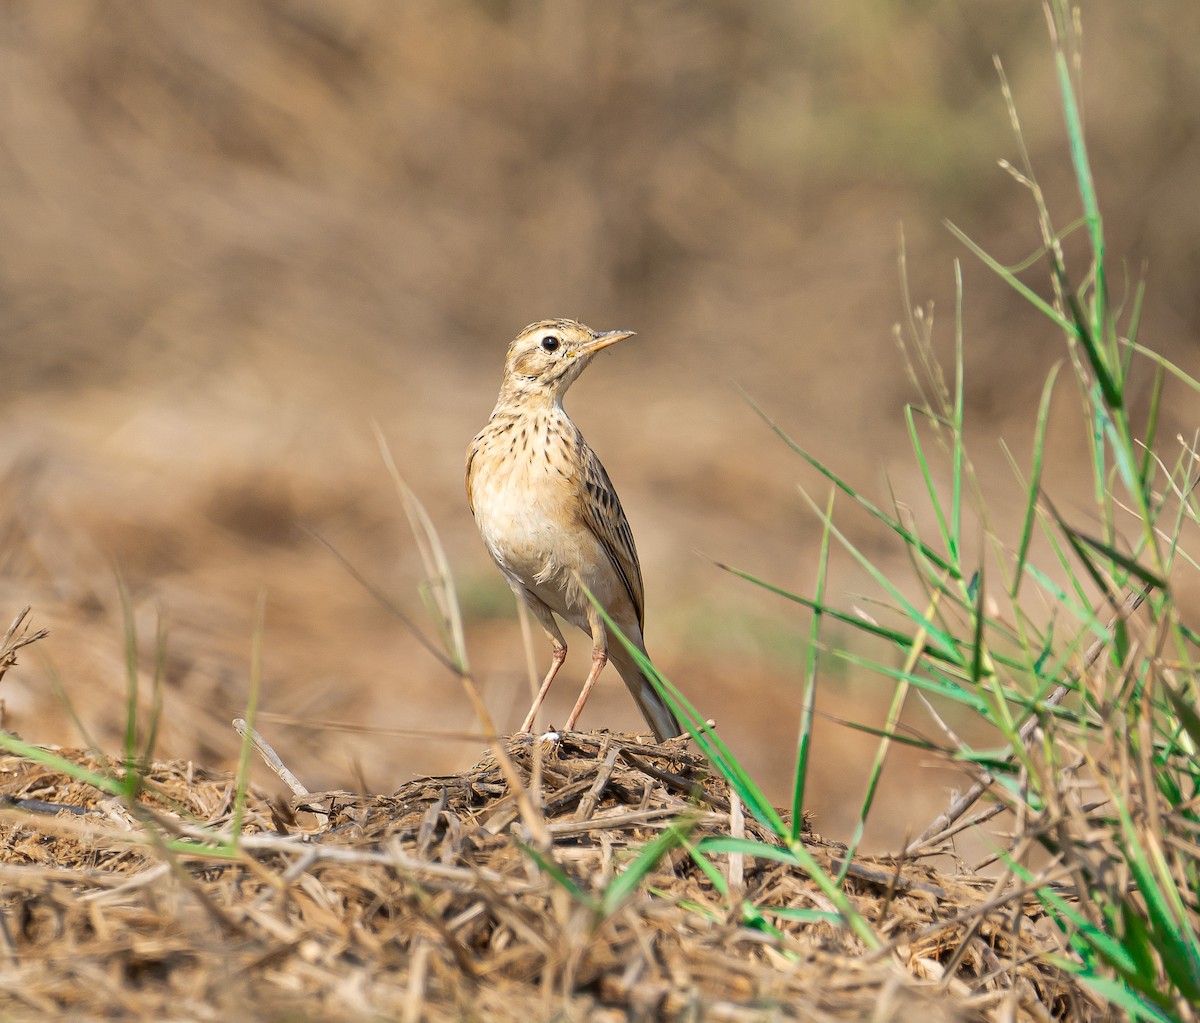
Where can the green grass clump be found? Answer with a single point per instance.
(1067, 646)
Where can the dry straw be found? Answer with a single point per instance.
(432, 904)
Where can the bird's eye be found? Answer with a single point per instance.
(550, 343)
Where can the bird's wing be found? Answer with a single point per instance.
(604, 516)
(472, 451)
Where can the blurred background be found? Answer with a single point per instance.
(237, 234)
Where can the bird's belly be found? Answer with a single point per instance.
(524, 528)
(539, 547)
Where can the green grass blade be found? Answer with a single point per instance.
(103, 782)
(958, 453)
(949, 537)
(872, 509)
(1026, 292)
(751, 915)
(871, 628)
(1085, 935)
(1176, 942)
(706, 738)
(1145, 477)
(554, 870)
(1188, 717)
(804, 740)
(899, 695)
(1131, 565)
(131, 686)
(1091, 208)
(940, 636)
(796, 855)
(708, 868)
(1077, 608)
(243, 774)
(631, 878)
(61, 697)
(803, 916)
(1034, 486)
(1136, 938)
(157, 687)
(980, 662)
(938, 685)
(1176, 371)
(846, 618)
(1116, 993)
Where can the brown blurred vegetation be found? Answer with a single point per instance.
(236, 234)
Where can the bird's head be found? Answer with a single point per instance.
(546, 357)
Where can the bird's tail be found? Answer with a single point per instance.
(658, 715)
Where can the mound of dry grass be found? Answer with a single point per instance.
(477, 895)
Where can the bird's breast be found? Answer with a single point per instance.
(524, 485)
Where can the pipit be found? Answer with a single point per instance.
(550, 517)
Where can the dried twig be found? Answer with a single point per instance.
(587, 805)
(944, 823)
(17, 636)
(270, 757)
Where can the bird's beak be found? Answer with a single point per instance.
(601, 341)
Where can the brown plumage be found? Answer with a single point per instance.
(550, 517)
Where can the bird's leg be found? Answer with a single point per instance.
(546, 620)
(559, 655)
(599, 660)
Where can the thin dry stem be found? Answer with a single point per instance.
(15, 638)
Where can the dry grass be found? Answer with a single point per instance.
(237, 233)
(427, 904)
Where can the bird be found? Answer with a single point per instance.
(551, 519)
